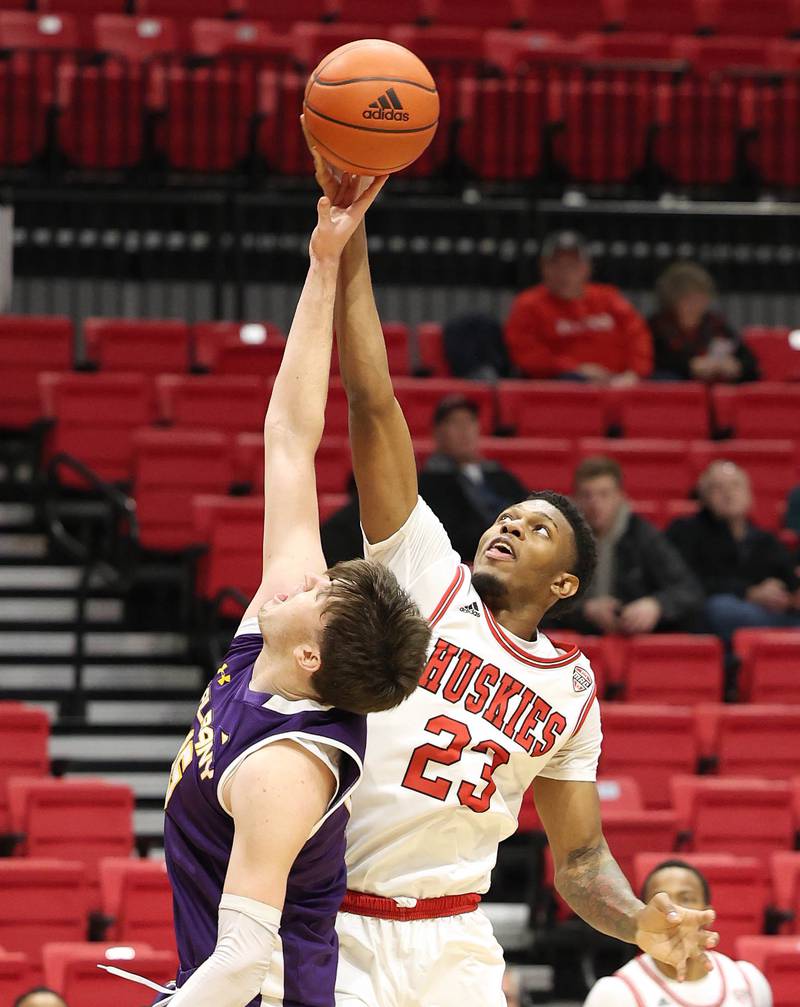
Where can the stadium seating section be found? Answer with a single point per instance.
(694, 92)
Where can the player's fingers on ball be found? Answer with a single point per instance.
(711, 939)
(664, 904)
(708, 917)
(370, 194)
(706, 962)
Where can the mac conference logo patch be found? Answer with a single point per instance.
(581, 679)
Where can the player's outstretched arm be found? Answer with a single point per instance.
(296, 413)
(277, 797)
(383, 455)
(590, 880)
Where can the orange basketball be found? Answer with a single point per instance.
(371, 107)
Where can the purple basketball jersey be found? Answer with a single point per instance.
(233, 721)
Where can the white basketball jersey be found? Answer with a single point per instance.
(641, 984)
(446, 770)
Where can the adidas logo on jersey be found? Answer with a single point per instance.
(386, 106)
(581, 679)
(471, 609)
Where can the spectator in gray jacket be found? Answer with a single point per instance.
(642, 585)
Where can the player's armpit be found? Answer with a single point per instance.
(277, 797)
(587, 876)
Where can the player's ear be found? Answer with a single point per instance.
(565, 585)
(307, 656)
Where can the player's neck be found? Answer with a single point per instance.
(694, 970)
(276, 674)
(522, 622)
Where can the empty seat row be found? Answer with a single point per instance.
(24, 741)
(774, 17)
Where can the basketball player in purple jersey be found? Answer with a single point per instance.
(255, 807)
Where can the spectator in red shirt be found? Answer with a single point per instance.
(567, 327)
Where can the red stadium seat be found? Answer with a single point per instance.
(627, 45)
(402, 12)
(420, 398)
(512, 51)
(650, 510)
(651, 467)
(72, 969)
(135, 38)
(762, 409)
(590, 15)
(478, 13)
(137, 896)
(29, 344)
(95, 417)
(210, 338)
(537, 463)
(770, 659)
(43, 900)
(430, 350)
(215, 36)
(785, 873)
(82, 7)
(673, 668)
(28, 30)
(182, 10)
(440, 42)
(769, 17)
(282, 14)
(313, 41)
(679, 508)
(649, 743)
(170, 468)
(682, 16)
(738, 890)
(630, 832)
(678, 409)
(333, 465)
(330, 503)
(778, 958)
(712, 55)
(396, 337)
(232, 528)
(72, 820)
(539, 408)
(741, 815)
(23, 749)
(16, 975)
(778, 357)
(279, 139)
(770, 464)
(616, 794)
(237, 357)
(231, 404)
(752, 740)
(143, 346)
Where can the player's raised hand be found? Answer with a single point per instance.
(341, 188)
(335, 224)
(673, 934)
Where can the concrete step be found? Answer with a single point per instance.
(39, 578)
(62, 644)
(54, 610)
(169, 678)
(148, 822)
(16, 515)
(22, 545)
(177, 713)
(146, 786)
(116, 746)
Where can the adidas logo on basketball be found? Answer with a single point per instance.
(386, 106)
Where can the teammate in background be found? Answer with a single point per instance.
(255, 815)
(498, 706)
(645, 982)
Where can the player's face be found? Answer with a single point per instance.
(600, 500)
(529, 549)
(682, 886)
(565, 274)
(296, 615)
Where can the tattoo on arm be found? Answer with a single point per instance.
(596, 889)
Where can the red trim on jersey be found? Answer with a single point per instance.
(632, 988)
(659, 981)
(447, 597)
(521, 655)
(585, 711)
(382, 908)
(743, 974)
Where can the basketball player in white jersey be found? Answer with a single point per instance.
(645, 982)
(498, 707)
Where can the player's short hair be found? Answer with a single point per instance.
(585, 560)
(684, 866)
(19, 1002)
(595, 467)
(374, 640)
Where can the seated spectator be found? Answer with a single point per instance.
(690, 340)
(567, 327)
(341, 533)
(474, 347)
(747, 572)
(645, 982)
(792, 520)
(40, 997)
(641, 584)
(465, 491)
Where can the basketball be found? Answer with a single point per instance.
(371, 107)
